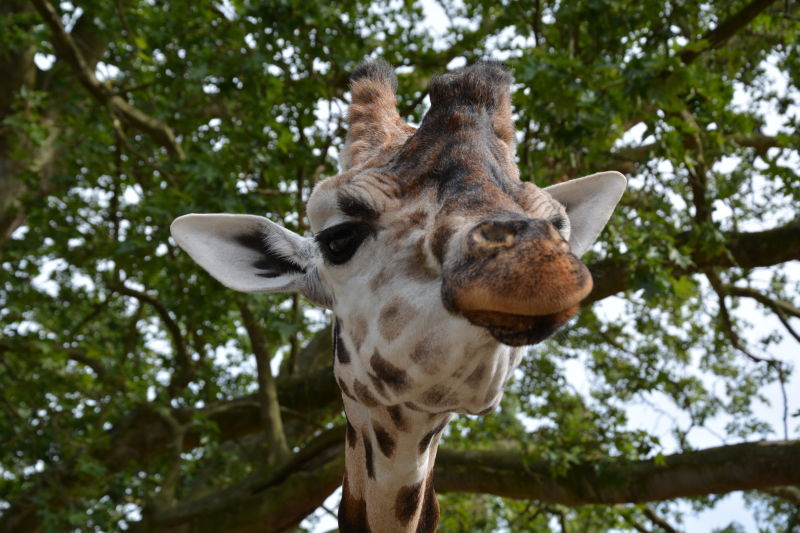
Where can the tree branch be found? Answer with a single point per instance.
(627, 159)
(781, 308)
(737, 343)
(715, 38)
(282, 502)
(711, 40)
(70, 52)
(727, 321)
(746, 466)
(277, 448)
(745, 250)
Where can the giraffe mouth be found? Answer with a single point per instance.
(520, 330)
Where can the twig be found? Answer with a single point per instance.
(780, 307)
(182, 359)
(125, 26)
(69, 50)
(301, 416)
(88, 318)
(173, 475)
(790, 494)
(736, 342)
(635, 525)
(562, 519)
(698, 171)
(727, 322)
(523, 518)
(129, 147)
(726, 29)
(329, 511)
(783, 305)
(270, 192)
(657, 520)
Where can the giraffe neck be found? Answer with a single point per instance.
(388, 482)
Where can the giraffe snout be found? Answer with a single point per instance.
(516, 277)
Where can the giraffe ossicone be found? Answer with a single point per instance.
(439, 263)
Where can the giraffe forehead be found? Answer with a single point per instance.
(457, 189)
(458, 178)
(364, 195)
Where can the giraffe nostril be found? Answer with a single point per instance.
(494, 234)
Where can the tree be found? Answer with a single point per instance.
(138, 393)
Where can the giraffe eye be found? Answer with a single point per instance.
(558, 222)
(339, 243)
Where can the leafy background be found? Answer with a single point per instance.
(130, 395)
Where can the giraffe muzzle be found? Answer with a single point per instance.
(517, 278)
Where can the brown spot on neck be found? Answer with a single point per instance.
(345, 390)
(352, 437)
(386, 442)
(339, 348)
(429, 517)
(407, 502)
(394, 377)
(435, 395)
(396, 414)
(380, 386)
(425, 442)
(352, 512)
(418, 497)
(364, 395)
(368, 459)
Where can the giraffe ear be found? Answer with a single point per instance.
(252, 254)
(589, 202)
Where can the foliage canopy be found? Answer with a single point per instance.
(134, 388)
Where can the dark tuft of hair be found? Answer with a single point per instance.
(479, 84)
(377, 70)
(270, 263)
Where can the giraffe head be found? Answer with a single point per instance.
(436, 259)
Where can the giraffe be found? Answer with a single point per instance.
(440, 266)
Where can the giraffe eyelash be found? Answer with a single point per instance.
(339, 243)
(558, 222)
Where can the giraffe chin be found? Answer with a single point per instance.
(520, 330)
